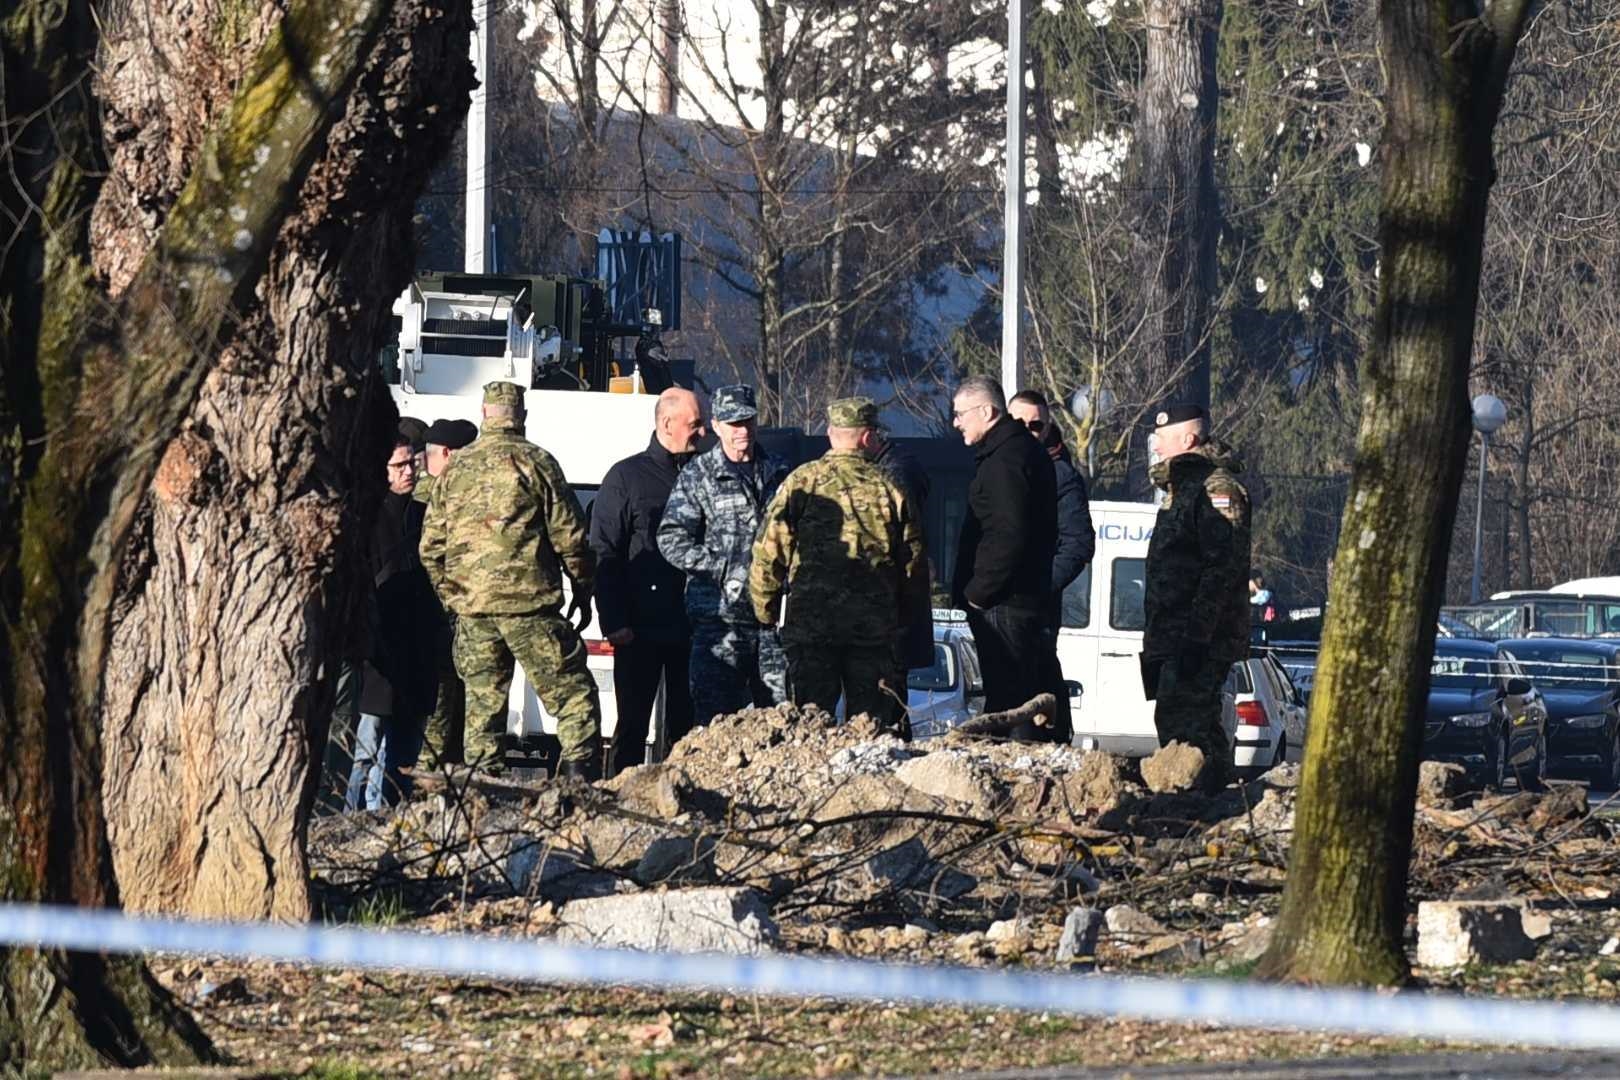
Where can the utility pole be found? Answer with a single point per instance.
(477, 226)
(1012, 276)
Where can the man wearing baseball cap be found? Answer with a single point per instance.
(1197, 603)
(708, 530)
(843, 542)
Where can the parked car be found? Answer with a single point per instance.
(1485, 715)
(1580, 681)
(941, 696)
(1267, 715)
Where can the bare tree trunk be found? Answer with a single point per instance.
(93, 389)
(1521, 480)
(1180, 211)
(1344, 906)
(770, 260)
(230, 613)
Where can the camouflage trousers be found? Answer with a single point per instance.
(1188, 710)
(735, 665)
(553, 657)
(444, 733)
(820, 671)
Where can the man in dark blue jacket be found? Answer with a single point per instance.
(1004, 557)
(1076, 538)
(639, 596)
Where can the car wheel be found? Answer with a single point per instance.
(1606, 777)
(1536, 780)
(1499, 766)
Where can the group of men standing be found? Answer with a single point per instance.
(730, 581)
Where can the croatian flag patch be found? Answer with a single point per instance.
(1220, 502)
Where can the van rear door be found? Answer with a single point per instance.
(1116, 714)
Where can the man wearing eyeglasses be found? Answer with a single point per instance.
(1003, 572)
(1076, 539)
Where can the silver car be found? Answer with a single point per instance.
(946, 693)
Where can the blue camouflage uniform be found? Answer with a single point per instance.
(708, 530)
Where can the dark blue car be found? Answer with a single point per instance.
(1580, 680)
(1485, 715)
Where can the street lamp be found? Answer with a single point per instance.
(1080, 406)
(1489, 416)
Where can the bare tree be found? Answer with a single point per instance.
(1344, 906)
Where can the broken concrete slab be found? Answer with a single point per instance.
(688, 860)
(947, 775)
(1456, 933)
(1126, 921)
(1439, 782)
(1173, 768)
(1078, 942)
(723, 920)
(1172, 949)
(908, 866)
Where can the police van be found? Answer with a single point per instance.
(1100, 639)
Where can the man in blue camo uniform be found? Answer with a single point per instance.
(708, 530)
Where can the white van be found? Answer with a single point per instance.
(1100, 641)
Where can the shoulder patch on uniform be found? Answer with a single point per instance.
(1220, 502)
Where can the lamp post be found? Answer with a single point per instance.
(1080, 406)
(1489, 415)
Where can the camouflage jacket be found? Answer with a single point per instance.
(502, 526)
(846, 544)
(1198, 559)
(708, 531)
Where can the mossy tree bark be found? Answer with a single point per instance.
(232, 600)
(93, 390)
(1344, 906)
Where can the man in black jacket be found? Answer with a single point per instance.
(1004, 558)
(640, 597)
(1076, 538)
(916, 646)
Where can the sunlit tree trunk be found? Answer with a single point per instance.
(1344, 905)
(92, 390)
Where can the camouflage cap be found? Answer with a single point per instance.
(852, 412)
(501, 392)
(734, 404)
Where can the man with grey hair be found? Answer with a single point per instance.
(1003, 572)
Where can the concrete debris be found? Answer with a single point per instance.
(1006, 929)
(1173, 768)
(1099, 784)
(1286, 775)
(1080, 932)
(945, 774)
(909, 867)
(1439, 782)
(684, 860)
(1610, 947)
(723, 920)
(1536, 924)
(1172, 949)
(1273, 814)
(1563, 804)
(1457, 933)
(1126, 921)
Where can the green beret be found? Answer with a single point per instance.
(501, 392)
(852, 412)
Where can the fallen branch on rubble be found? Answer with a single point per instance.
(1000, 725)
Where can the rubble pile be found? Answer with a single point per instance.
(778, 828)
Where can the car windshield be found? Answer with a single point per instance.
(1462, 671)
(1564, 669)
(937, 676)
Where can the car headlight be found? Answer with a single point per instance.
(1471, 719)
(1594, 721)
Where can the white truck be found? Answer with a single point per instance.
(451, 344)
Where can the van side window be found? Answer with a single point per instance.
(1077, 602)
(1126, 591)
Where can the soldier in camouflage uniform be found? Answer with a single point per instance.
(846, 545)
(1197, 585)
(502, 528)
(708, 530)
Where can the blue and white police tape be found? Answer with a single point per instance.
(1405, 1014)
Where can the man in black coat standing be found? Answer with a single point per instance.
(640, 597)
(1076, 538)
(1004, 558)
